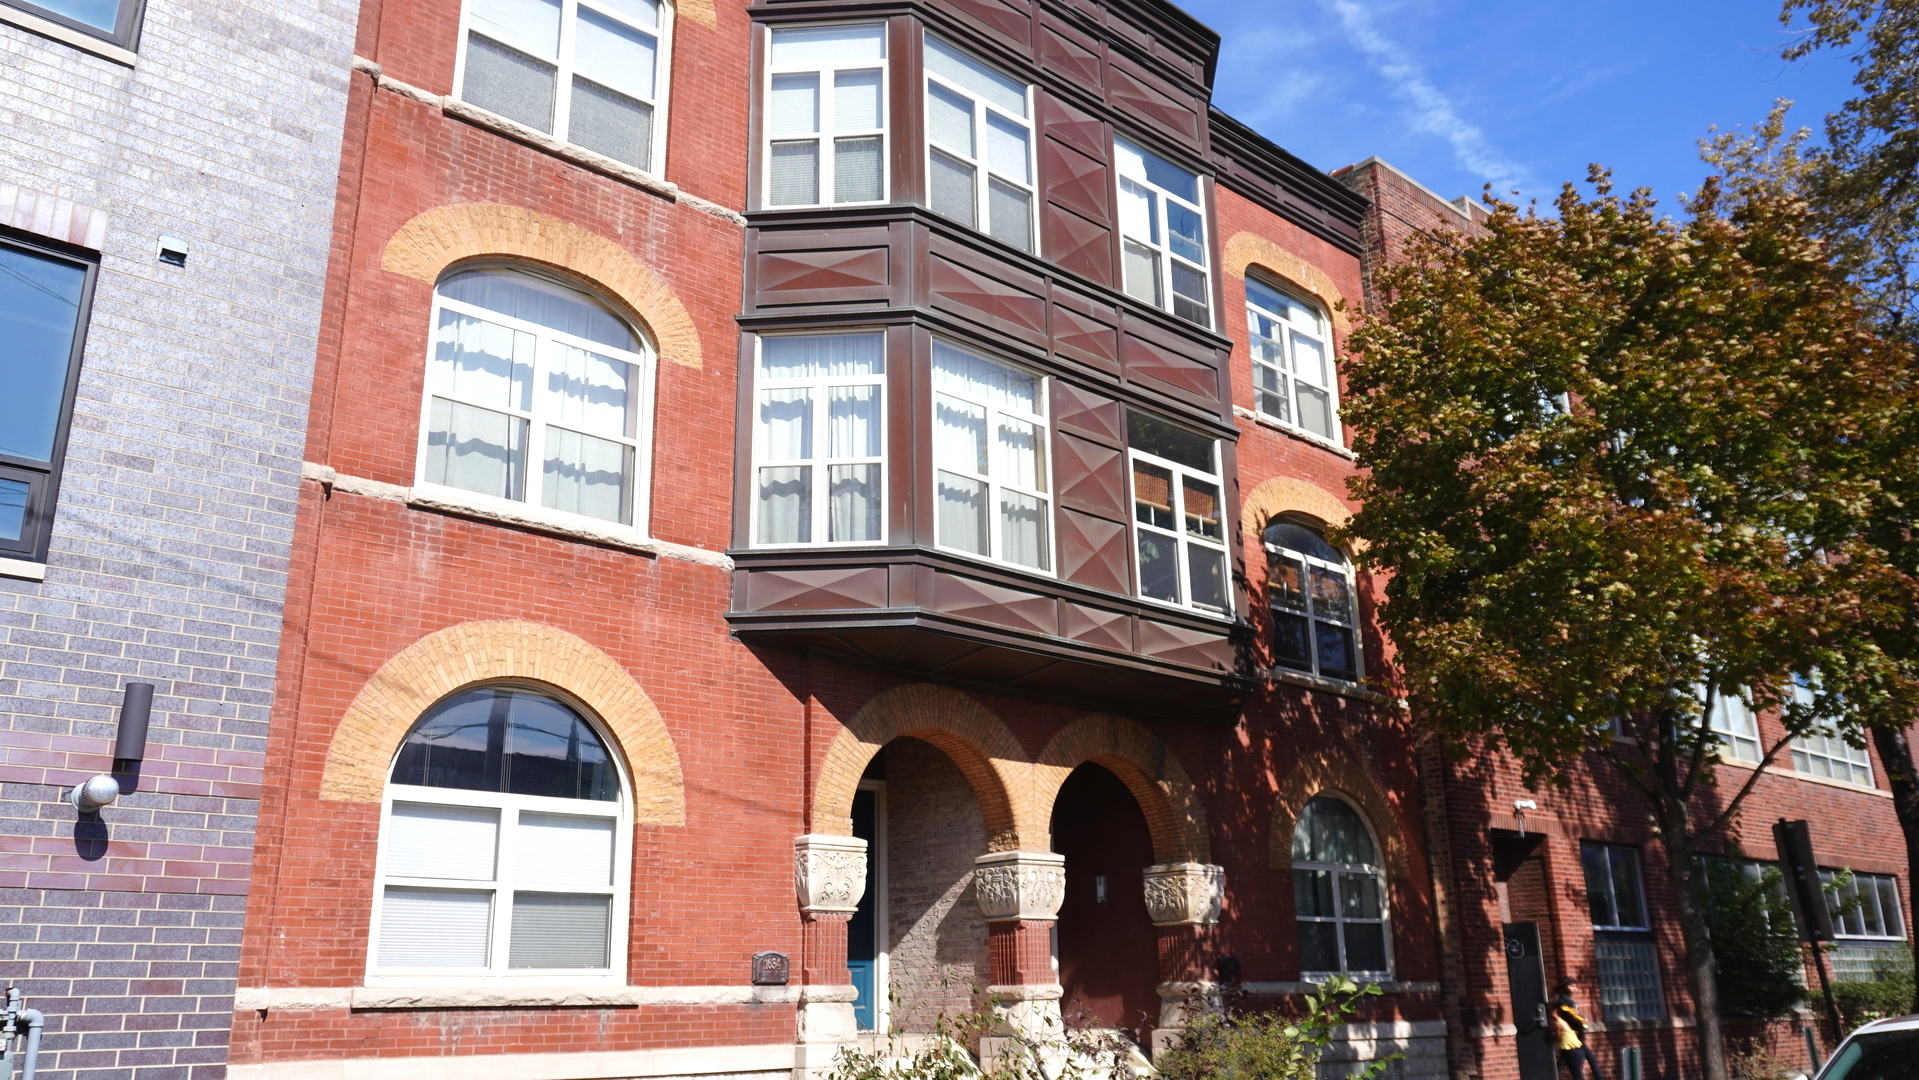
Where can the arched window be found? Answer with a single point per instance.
(1339, 894)
(536, 393)
(1292, 362)
(501, 846)
(1309, 589)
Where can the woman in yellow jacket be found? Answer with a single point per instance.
(1570, 1029)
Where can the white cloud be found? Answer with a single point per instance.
(1433, 113)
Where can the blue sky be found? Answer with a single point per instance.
(1522, 94)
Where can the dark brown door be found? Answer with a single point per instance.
(1108, 956)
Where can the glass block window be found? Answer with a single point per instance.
(825, 116)
(1315, 611)
(1178, 514)
(1629, 980)
(1339, 893)
(1293, 375)
(819, 436)
(991, 475)
(1163, 223)
(589, 72)
(979, 146)
(522, 365)
(501, 846)
(1865, 907)
(1867, 963)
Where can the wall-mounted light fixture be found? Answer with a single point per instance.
(1520, 806)
(129, 749)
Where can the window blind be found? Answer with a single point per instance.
(443, 928)
(561, 849)
(559, 930)
(442, 841)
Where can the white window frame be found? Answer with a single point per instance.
(503, 886)
(826, 136)
(985, 174)
(1737, 726)
(1161, 245)
(1182, 538)
(564, 71)
(1278, 361)
(820, 480)
(1831, 757)
(641, 442)
(1639, 883)
(1875, 897)
(1339, 919)
(1043, 437)
(1312, 614)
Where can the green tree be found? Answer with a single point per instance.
(1755, 942)
(1618, 465)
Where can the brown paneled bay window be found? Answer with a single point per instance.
(979, 145)
(825, 116)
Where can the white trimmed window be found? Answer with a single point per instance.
(979, 152)
(502, 847)
(1292, 364)
(1309, 590)
(1178, 514)
(1737, 725)
(1163, 223)
(1822, 754)
(536, 394)
(819, 437)
(1865, 907)
(1339, 893)
(590, 72)
(825, 116)
(989, 459)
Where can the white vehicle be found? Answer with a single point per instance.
(1881, 1050)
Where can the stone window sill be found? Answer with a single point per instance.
(1265, 421)
(24, 569)
(498, 996)
(1330, 686)
(1825, 781)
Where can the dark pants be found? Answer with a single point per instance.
(1575, 1060)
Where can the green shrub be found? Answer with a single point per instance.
(1889, 993)
(1755, 943)
(1267, 1045)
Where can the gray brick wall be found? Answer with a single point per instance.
(175, 516)
(934, 832)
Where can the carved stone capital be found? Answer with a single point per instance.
(1184, 894)
(1025, 885)
(829, 873)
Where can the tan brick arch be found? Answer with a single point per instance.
(426, 246)
(503, 650)
(1286, 494)
(1247, 249)
(966, 731)
(1150, 771)
(1328, 772)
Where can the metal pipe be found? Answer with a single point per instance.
(130, 743)
(31, 1059)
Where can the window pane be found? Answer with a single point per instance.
(795, 168)
(1200, 501)
(1313, 893)
(1169, 441)
(13, 509)
(482, 363)
(533, 25)
(509, 82)
(551, 752)
(564, 849)
(1599, 898)
(542, 302)
(588, 476)
(1888, 888)
(101, 14)
(1318, 946)
(429, 841)
(1023, 530)
(1625, 881)
(611, 123)
(644, 12)
(953, 194)
(786, 424)
(813, 355)
(614, 54)
(39, 314)
(1365, 946)
(854, 506)
(1152, 495)
(1286, 582)
(1315, 410)
(1189, 295)
(1138, 212)
(1290, 648)
(1142, 273)
(1335, 646)
(1330, 598)
(959, 435)
(856, 100)
(476, 450)
(856, 169)
(1206, 571)
(557, 930)
(590, 392)
(1309, 360)
(982, 379)
(795, 105)
(786, 505)
(440, 928)
(828, 44)
(1184, 234)
(1009, 214)
(1299, 538)
(962, 70)
(1158, 568)
(1330, 831)
(1006, 149)
(1629, 981)
(1022, 457)
(1143, 164)
(962, 513)
(949, 120)
(853, 421)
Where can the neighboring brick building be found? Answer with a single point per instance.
(1630, 973)
(166, 181)
(937, 432)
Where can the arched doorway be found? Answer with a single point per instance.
(1108, 954)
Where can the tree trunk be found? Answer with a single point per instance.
(1895, 753)
(1675, 834)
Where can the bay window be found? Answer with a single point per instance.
(819, 433)
(1292, 365)
(1163, 225)
(1178, 514)
(825, 116)
(979, 156)
(989, 459)
(1310, 593)
(588, 72)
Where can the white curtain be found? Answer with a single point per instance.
(1023, 530)
(854, 503)
(483, 363)
(786, 505)
(588, 476)
(475, 449)
(812, 356)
